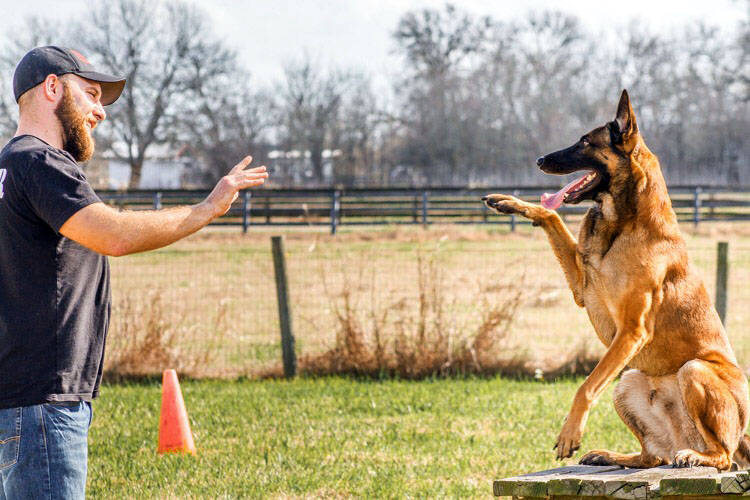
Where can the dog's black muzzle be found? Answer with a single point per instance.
(565, 161)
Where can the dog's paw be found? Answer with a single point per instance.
(569, 439)
(506, 204)
(686, 458)
(595, 457)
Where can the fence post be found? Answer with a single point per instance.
(425, 204)
(697, 205)
(516, 193)
(157, 200)
(245, 210)
(285, 317)
(335, 208)
(722, 275)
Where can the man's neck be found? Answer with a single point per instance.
(44, 130)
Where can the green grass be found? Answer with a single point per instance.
(335, 437)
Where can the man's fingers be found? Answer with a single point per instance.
(251, 182)
(262, 168)
(241, 165)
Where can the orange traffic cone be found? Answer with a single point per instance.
(174, 428)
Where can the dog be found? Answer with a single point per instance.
(684, 397)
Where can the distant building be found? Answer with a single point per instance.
(163, 168)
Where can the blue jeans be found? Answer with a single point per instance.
(44, 451)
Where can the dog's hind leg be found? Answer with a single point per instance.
(647, 407)
(715, 396)
(561, 240)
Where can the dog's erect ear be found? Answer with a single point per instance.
(624, 122)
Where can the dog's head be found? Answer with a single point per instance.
(604, 153)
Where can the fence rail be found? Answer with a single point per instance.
(335, 207)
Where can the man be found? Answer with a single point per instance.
(55, 235)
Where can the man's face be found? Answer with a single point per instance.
(79, 111)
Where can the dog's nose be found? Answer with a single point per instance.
(540, 161)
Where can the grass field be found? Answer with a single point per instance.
(209, 303)
(338, 438)
(213, 298)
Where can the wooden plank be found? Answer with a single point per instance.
(728, 496)
(735, 482)
(535, 484)
(691, 481)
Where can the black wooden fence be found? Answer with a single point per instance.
(336, 207)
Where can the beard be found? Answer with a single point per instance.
(76, 137)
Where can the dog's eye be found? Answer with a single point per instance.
(584, 142)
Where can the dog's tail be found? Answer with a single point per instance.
(742, 455)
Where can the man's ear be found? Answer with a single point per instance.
(624, 122)
(52, 87)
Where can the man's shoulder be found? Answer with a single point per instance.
(25, 151)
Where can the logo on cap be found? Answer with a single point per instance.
(80, 56)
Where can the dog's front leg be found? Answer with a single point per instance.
(560, 238)
(630, 338)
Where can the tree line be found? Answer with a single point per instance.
(476, 99)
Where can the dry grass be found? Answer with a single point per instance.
(148, 341)
(421, 338)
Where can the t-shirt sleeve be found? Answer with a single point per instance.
(57, 188)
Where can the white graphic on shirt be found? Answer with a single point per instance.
(3, 172)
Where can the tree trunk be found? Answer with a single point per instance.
(135, 174)
(316, 157)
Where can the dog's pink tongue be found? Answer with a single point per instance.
(553, 201)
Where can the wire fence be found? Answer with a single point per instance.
(211, 309)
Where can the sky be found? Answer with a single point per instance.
(357, 33)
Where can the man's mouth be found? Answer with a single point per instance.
(573, 192)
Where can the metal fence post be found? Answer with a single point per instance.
(425, 205)
(722, 275)
(157, 200)
(285, 317)
(335, 208)
(245, 210)
(697, 205)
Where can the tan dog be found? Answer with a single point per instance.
(685, 398)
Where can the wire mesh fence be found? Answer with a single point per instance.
(210, 309)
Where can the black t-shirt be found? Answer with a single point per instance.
(54, 293)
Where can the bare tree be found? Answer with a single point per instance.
(222, 118)
(439, 48)
(311, 101)
(356, 133)
(151, 45)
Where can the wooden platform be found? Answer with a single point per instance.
(666, 482)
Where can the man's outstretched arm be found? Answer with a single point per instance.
(111, 232)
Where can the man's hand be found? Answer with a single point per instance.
(227, 189)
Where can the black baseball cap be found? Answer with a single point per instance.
(42, 61)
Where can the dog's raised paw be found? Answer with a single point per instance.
(504, 204)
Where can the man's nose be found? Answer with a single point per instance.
(99, 112)
(540, 161)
